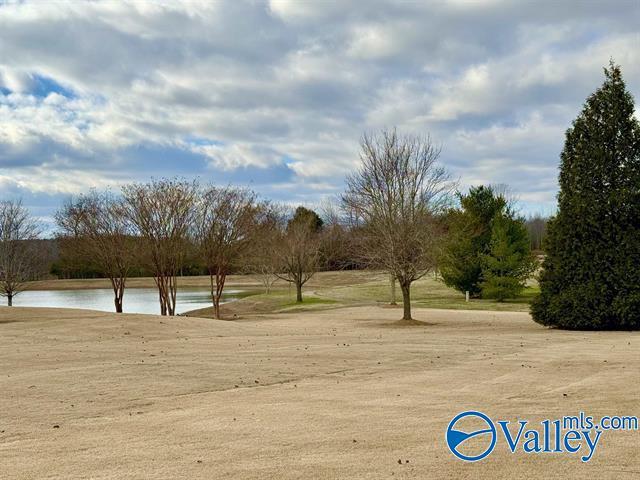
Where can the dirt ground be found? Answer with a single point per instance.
(345, 393)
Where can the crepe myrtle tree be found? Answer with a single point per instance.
(162, 212)
(19, 255)
(224, 221)
(96, 227)
(399, 192)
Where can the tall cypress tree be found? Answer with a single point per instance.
(591, 276)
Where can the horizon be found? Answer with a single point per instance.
(276, 95)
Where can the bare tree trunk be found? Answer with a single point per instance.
(267, 281)
(10, 300)
(220, 279)
(392, 280)
(117, 299)
(120, 296)
(163, 304)
(298, 291)
(217, 287)
(212, 290)
(406, 300)
(118, 293)
(162, 294)
(171, 296)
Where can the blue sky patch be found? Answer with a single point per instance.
(42, 86)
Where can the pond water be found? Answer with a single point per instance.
(136, 300)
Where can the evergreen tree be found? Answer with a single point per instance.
(308, 217)
(591, 276)
(469, 237)
(509, 262)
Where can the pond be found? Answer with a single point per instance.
(136, 300)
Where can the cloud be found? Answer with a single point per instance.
(277, 94)
(237, 155)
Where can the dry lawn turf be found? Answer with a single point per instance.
(342, 393)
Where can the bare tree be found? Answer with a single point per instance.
(224, 223)
(398, 193)
(261, 257)
(537, 228)
(336, 240)
(299, 249)
(96, 226)
(19, 259)
(331, 211)
(162, 212)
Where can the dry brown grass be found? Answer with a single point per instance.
(343, 393)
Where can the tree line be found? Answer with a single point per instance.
(398, 214)
(163, 225)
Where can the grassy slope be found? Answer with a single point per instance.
(329, 290)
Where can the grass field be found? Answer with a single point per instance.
(336, 393)
(331, 290)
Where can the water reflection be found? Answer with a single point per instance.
(136, 300)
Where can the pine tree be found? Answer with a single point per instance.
(469, 237)
(591, 276)
(308, 217)
(509, 263)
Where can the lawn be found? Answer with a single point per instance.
(328, 290)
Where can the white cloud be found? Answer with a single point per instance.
(44, 180)
(374, 41)
(230, 157)
(296, 10)
(290, 86)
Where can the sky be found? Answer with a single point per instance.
(275, 95)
